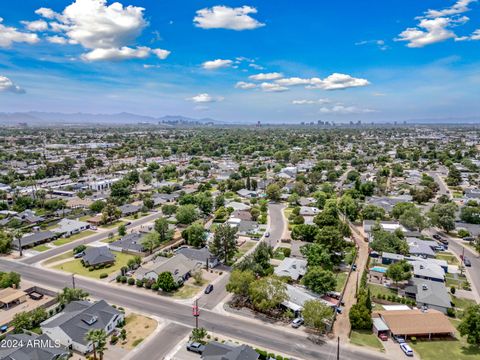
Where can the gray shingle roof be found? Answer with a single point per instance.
(26, 352)
(98, 255)
(217, 351)
(131, 242)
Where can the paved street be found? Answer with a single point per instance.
(87, 240)
(243, 330)
(277, 224)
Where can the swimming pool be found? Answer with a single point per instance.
(379, 269)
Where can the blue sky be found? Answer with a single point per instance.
(274, 61)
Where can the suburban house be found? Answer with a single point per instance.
(387, 203)
(423, 248)
(201, 256)
(309, 211)
(94, 256)
(71, 326)
(390, 226)
(418, 323)
(428, 269)
(429, 294)
(247, 194)
(34, 239)
(297, 296)
(21, 350)
(235, 205)
(68, 227)
(215, 350)
(29, 217)
(130, 209)
(179, 266)
(292, 268)
(130, 243)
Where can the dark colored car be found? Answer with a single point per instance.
(399, 339)
(437, 237)
(209, 289)
(467, 261)
(354, 267)
(196, 347)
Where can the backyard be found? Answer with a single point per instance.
(75, 266)
(366, 338)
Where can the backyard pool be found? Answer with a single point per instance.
(379, 269)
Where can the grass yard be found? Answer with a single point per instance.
(186, 292)
(112, 239)
(457, 349)
(41, 248)
(138, 327)
(461, 304)
(113, 225)
(75, 266)
(64, 256)
(244, 248)
(379, 289)
(341, 280)
(366, 338)
(83, 234)
(448, 257)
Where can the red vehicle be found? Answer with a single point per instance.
(383, 336)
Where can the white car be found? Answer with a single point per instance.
(406, 349)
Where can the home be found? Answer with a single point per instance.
(29, 217)
(247, 194)
(71, 326)
(387, 203)
(391, 258)
(68, 227)
(390, 226)
(34, 239)
(179, 266)
(21, 348)
(418, 323)
(423, 248)
(429, 294)
(292, 268)
(215, 350)
(95, 256)
(235, 205)
(429, 270)
(203, 256)
(309, 211)
(242, 215)
(130, 209)
(160, 199)
(297, 296)
(130, 243)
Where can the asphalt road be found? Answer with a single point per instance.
(87, 240)
(262, 335)
(277, 223)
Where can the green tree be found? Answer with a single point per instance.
(151, 241)
(470, 325)
(195, 235)
(9, 279)
(318, 255)
(166, 282)
(122, 230)
(5, 242)
(385, 241)
(224, 244)
(267, 293)
(186, 214)
(372, 212)
(349, 207)
(304, 232)
(98, 338)
(198, 334)
(68, 295)
(413, 219)
(97, 206)
(399, 271)
(443, 216)
(240, 281)
(273, 192)
(110, 213)
(319, 280)
(316, 314)
(360, 317)
(161, 227)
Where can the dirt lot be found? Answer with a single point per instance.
(138, 328)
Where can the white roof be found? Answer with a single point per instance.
(396, 307)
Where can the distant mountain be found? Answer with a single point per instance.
(52, 118)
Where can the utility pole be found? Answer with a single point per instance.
(73, 281)
(338, 347)
(20, 245)
(196, 313)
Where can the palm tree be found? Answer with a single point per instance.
(98, 338)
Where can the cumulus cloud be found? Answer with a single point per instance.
(57, 40)
(204, 98)
(311, 102)
(340, 109)
(272, 87)
(293, 81)
(37, 25)
(436, 26)
(459, 7)
(224, 17)
(107, 31)
(266, 76)
(256, 66)
(7, 85)
(216, 64)
(474, 36)
(245, 85)
(337, 81)
(10, 35)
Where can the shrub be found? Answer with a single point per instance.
(139, 283)
(124, 279)
(90, 268)
(103, 275)
(451, 312)
(452, 290)
(147, 284)
(414, 339)
(113, 339)
(131, 281)
(287, 252)
(118, 278)
(155, 287)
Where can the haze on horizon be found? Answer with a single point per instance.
(243, 60)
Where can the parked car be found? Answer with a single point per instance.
(78, 255)
(296, 323)
(93, 227)
(439, 248)
(406, 349)
(267, 234)
(339, 309)
(437, 237)
(469, 238)
(383, 336)
(398, 339)
(209, 289)
(354, 267)
(467, 262)
(196, 347)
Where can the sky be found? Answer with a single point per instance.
(243, 61)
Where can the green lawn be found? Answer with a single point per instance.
(113, 225)
(461, 304)
(457, 349)
(379, 289)
(448, 257)
(279, 254)
(75, 266)
(366, 338)
(60, 257)
(244, 248)
(41, 248)
(83, 234)
(112, 239)
(341, 280)
(186, 292)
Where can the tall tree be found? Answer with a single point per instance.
(224, 244)
(98, 338)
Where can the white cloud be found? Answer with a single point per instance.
(272, 87)
(311, 102)
(10, 35)
(459, 7)
(245, 85)
(292, 81)
(435, 30)
(266, 76)
(337, 81)
(475, 36)
(204, 98)
(217, 64)
(37, 25)
(57, 40)
(340, 109)
(224, 17)
(7, 85)
(107, 31)
(256, 66)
